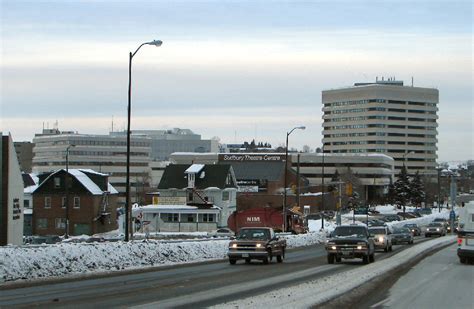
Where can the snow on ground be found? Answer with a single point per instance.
(316, 292)
(65, 259)
(32, 262)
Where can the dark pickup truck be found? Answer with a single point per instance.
(350, 242)
(259, 243)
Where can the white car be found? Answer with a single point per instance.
(382, 237)
(222, 232)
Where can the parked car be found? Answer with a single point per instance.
(402, 235)
(424, 211)
(222, 232)
(406, 215)
(258, 243)
(415, 214)
(350, 242)
(435, 228)
(382, 237)
(391, 218)
(414, 228)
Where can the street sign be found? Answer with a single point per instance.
(452, 215)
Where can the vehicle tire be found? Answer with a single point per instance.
(411, 242)
(462, 260)
(426, 235)
(330, 258)
(280, 258)
(365, 259)
(270, 256)
(385, 249)
(372, 258)
(247, 261)
(390, 249)
(265, 260)
(232, 261)
(338, 259)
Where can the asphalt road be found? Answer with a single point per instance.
(438, 281)
(192, 286)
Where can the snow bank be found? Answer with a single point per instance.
(304, 295)
(64, 259)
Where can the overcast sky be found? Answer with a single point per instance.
(238, 70)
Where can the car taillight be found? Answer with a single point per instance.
(459, 241)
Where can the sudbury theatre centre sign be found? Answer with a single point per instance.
(251, 157)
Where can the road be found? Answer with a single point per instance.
(193, 285)
(438, 281)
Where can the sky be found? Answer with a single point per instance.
(236, 70)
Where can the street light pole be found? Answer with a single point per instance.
(322, 195)
(156, 43)
(286, 175)
(66, 185)
(439, 190)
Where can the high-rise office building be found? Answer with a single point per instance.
(383, 117)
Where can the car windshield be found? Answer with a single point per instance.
(410, 225)
(350, 231)
(254, 234)
(439, 220)
(435, 224)
(377, 231)
(401, 231)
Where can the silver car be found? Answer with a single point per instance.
(435, 228)
(382, 237)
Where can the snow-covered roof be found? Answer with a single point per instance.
(91, 186)
(194, 169)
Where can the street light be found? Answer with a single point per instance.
(439, 169)
(405, 156)
(286, 174)
(156, 43)
(66, 234)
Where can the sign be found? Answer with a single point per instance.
(360, 211)
(251, 158)
(452, 215)
(16, 209)
(169, 200)
(247, 189)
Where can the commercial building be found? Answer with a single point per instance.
(263, 173)
(383, 117)
(165, 142)
(11, 194)
(103, 153)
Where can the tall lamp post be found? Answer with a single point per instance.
(286, 175)
(438, 169)
(66, 185)
(322, 189)
(156, 43)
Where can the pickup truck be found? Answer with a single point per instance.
(350, 242)
(259, 243)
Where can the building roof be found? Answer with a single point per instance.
(81, 176)
(175, 176)
(271, 171)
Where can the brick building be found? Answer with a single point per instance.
(92, 203)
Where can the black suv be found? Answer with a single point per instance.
(350, 242)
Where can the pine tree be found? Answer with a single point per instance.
(402, 189)
(417, 190)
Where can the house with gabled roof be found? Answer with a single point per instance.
(90, 201)
(204, 186)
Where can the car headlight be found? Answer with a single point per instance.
(234, 246)
(380, 238)
(359, 247)
(333, 248)
(437, 229)
(259, 245)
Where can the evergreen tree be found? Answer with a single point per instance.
(402, 189)
(417, 190)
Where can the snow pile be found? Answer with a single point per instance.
(58, 260)
(316, 292)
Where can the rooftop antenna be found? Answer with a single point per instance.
(412, 81)
(112, 123)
